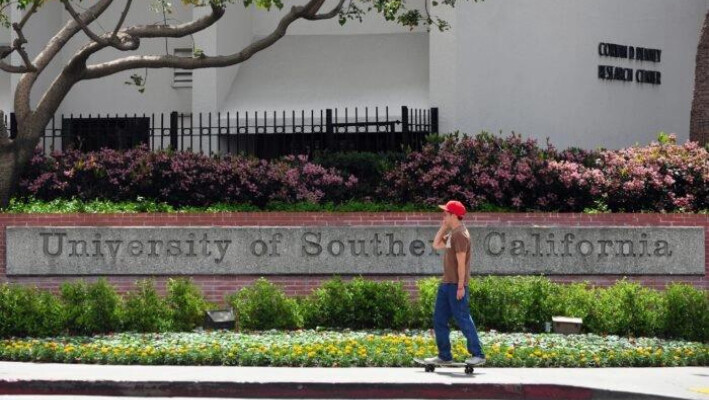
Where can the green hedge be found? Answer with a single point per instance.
(505, 304)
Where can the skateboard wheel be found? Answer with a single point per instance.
(469, 369)
(430, 368)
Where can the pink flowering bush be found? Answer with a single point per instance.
(485, 169)
(181, 178)
(663, 176)
(518, 174)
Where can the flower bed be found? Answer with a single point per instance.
(349, 349)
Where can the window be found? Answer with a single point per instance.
(182, 78)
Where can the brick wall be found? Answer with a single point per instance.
(215, 286)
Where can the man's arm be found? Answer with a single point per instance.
(438, 242)
(461, 274)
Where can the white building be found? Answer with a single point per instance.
(536, 67)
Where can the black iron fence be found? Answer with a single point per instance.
(263, 134)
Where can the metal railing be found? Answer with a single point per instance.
(263, 134)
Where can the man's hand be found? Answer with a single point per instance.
(444, 224)
(460, 293)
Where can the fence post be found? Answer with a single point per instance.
(405, 131)
(329, 130)
(434, 120)
(13, 126)
(173, 130)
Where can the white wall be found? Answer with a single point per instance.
(531, 66)
(233, 32)
(322, 71)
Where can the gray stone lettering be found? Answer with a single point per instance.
(343, 250)
(136, 248)
(113, 246)
(331, 248)
(174, 248)
(259, 247)
(417, 248)
(221, 248)
(312, 240)
(274, 241)
(155, 246)
(399, 251)
(45, 243)
(499, 240)
(78, 244)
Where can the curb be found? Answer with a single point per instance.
(316, 390)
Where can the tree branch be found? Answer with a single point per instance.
(328, 15)
(122, 19)
(83, 25)
(169, 61)
(13, 69)
(53, 47)
(26, 17)
(133, 34)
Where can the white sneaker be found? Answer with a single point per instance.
(437, 360)
(475, 361)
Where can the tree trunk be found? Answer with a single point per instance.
(14, 159)
(699, 120)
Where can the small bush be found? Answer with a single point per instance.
(687, 313)
(426, 302)
(541, 295)
(358, 304)
(627, 308)
(29, 312)
(379, 304)
(186, 303)
(331, 305)
(91, 309)
(575, 300)
(264, 306)
(499, 303)
(145, 310)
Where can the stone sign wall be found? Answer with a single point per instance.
(392, 250)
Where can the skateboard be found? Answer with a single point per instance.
(469, 368)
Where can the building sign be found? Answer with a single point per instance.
(396, 250)
(617, 73)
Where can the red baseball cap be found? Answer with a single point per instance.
(454, 207)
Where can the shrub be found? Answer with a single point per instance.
(576, 300)
(369, 168)
(426, 302)
(91, 309)
(498, 303)
(264, 306)
(358, 304)
(627, 308)
(379, 304)
(29, 312)
(145, 310)
(331, 305)
(521, 175)
(186, 303)
(180, 178)
(687, 313)
(541, 295)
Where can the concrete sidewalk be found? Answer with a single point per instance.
(408, 383)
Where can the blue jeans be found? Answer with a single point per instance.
(447, 306)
